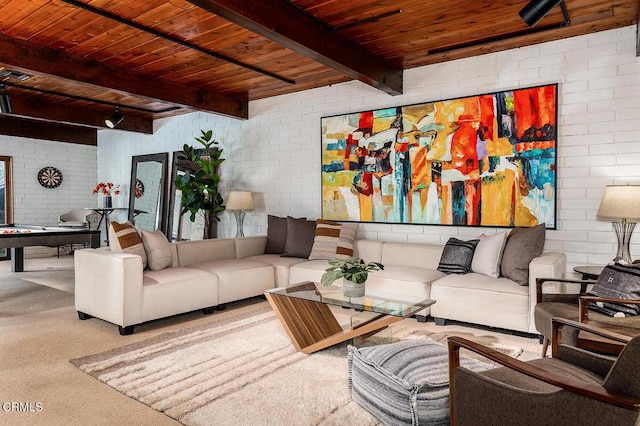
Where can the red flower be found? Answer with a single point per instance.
(107, 188)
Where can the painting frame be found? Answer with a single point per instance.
(485, 160)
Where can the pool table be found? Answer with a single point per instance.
(17, 237)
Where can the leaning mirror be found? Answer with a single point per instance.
(147, 191)
(180, 227)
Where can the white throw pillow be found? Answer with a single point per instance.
(158, 250)
(488, 254)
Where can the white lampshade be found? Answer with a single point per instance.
(240, 200)
(620, 202)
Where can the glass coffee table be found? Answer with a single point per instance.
(303, 310)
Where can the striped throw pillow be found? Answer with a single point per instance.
(333, 240)
(457, 256)
(124, 238)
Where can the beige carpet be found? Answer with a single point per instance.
(243, 369)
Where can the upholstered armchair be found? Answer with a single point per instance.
(575, 307)
(573, 386)
(74, 218)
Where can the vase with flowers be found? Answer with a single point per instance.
(107, 189)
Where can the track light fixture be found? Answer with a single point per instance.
(115, 119)
(5, 101)
(535, 10)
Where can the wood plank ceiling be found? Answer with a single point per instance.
(157, 58)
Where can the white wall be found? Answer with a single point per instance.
(34, 204)
(276, 153)
(170, 134)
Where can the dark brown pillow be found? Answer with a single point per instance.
(300, 236)
(276, 234)
(523, 245)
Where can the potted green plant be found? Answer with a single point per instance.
(353, 270)
(199, 184)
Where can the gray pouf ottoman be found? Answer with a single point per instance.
(406, 382)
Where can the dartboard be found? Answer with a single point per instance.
(50, 177)
(139, 188)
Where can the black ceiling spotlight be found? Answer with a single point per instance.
(535, 10)
(115, 119)
(5, 101)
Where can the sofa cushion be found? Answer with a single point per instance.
(178, 274)
(276, 234)
(488, 254)
(457, 256)
(523, 245)
(333, 240)
(280, 264)
(311, 270)
(239, 278)
(300, 235)
(158, 250)
(190, 252)
(177, 290)
(124, 238)
(479, 299)
(423, 255)
(403, 282)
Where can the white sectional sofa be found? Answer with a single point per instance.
(207, 274)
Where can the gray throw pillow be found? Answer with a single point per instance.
(617, 282)
(523, 245)
(300, 236)
(276, 234)
(457, 256)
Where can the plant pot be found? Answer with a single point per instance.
(351, 289)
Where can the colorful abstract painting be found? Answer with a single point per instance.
(487, 160)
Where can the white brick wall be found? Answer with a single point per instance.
(115, 149)
(598, 143)
(276, 153)
(34, 204)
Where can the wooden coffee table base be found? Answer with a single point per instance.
(311, 326)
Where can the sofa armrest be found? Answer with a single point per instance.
(547, 265)
(250, 246)
(109, 285)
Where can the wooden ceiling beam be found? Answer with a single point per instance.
(39, 59)
(36, 108)
(285, 24)
(35, 129)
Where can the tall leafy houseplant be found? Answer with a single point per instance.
(199, 186)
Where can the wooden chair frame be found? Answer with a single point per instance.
(570, 384)
(583, 302)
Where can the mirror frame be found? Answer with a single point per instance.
(179, 162)
(161, 215)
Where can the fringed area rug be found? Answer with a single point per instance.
(242, 369)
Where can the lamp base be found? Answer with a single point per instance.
(623, 232)
(239, 214)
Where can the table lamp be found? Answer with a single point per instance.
(238, 202)
(621, 203)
